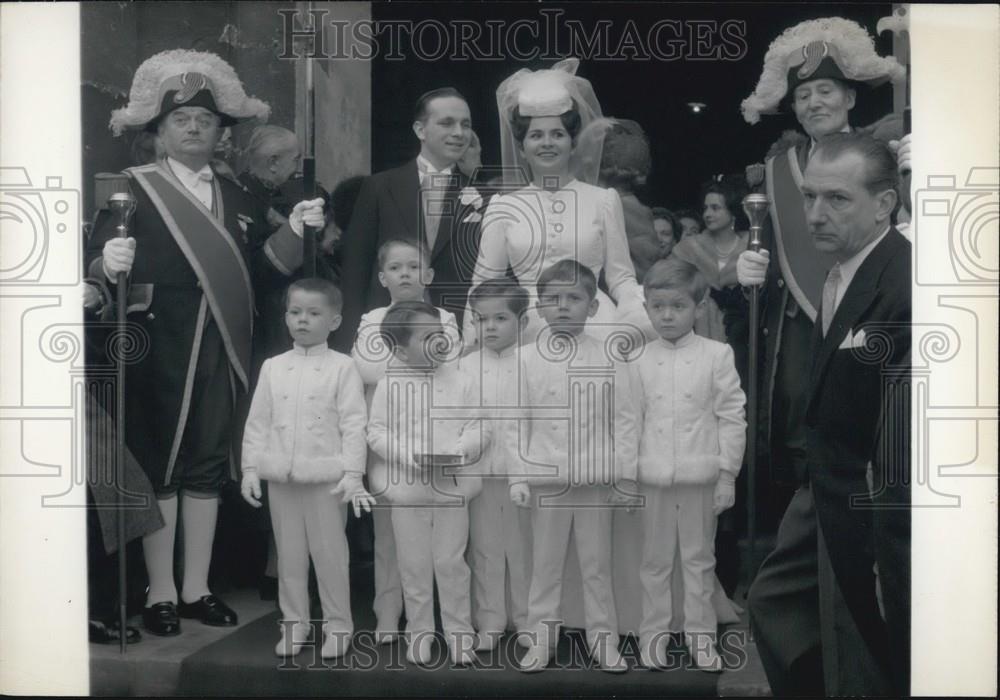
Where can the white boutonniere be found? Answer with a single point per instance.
(244, 221)
(470, 197)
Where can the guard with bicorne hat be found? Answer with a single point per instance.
(200, 249)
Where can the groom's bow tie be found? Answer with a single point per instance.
(206, 174)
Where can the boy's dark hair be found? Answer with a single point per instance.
(383, 250)
(674, 273)
(420, 110)
(568, 271)
(397, 326)
(317, 284)
(514, 295)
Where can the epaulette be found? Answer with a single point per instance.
(888, 128)
(789, 139)
(223, 170)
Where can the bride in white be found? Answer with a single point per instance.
(552, 134)
(551, 138)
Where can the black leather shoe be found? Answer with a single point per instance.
(161, 619)
(101, 633)
(210, 610)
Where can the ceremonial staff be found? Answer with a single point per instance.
(756, 206)
(122, 206)
(309, 234)
(899, 24)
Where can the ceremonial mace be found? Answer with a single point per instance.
(756, 206)
(122, 206)
(309, 234)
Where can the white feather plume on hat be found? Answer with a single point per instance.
(855, 51)
(144, 97)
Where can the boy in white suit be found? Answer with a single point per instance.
(499, 532)
(693, 433)
(404, 272)
(305, 433)
(424, 408)
(578, 446)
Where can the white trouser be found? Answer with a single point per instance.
(308, 521)
(584, 512)
(678, 517)
(430, 545)
(388, 602)
(499, 546)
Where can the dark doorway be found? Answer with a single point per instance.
(687, 148)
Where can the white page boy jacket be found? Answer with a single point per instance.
(425, 412)
(307, 418)
(580, 427)
(494, 378)
(690, 409)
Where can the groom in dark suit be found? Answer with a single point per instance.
(857, 496)
(421, 200)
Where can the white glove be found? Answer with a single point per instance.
(751, 267)
(902, 150)
(250, 488)
(520, 494)
(353, 491)
(308, 212)
(118, 256)
(725, 493)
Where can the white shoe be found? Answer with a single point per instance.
(524, 639)
(535, 659)
(608, 657)
(703, 652)
(487, 640)
(386, 633)
(292, 643)
(652, 651)
(335, 644)
(418, 651)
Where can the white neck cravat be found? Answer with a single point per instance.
(198, 183)
(426, 171)
(830, 296)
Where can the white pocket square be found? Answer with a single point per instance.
(853, 340)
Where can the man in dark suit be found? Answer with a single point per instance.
(855, 503)
(421, 200)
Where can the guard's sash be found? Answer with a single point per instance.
(802, 266)
(212, 254)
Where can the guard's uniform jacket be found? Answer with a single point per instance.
(191, 314)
